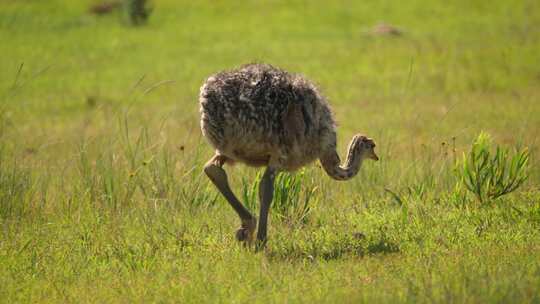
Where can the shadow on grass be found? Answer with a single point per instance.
(333, 251)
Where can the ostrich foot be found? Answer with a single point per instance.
(246, 231)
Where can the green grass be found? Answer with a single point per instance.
(102, 196)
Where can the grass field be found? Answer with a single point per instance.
(102, 196)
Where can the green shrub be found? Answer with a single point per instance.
(291, 201)
(489, 175)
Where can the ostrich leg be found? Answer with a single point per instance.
(266, 193)
(217, 175)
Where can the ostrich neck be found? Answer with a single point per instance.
(333, 167)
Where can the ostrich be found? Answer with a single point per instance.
(260, 115)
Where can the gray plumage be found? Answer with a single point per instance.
(259, 113)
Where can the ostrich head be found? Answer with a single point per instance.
(365, 147)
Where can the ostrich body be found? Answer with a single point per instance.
(260, 115)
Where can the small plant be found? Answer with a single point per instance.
(290, 201)
(491, 175)
(138, 11)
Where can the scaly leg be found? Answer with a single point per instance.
(217, 175)
(266, 193)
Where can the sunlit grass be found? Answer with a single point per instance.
(102, 195)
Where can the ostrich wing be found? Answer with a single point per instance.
(293, 123)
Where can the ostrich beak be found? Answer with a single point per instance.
(373, 156)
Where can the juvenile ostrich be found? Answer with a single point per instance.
(263, 116)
